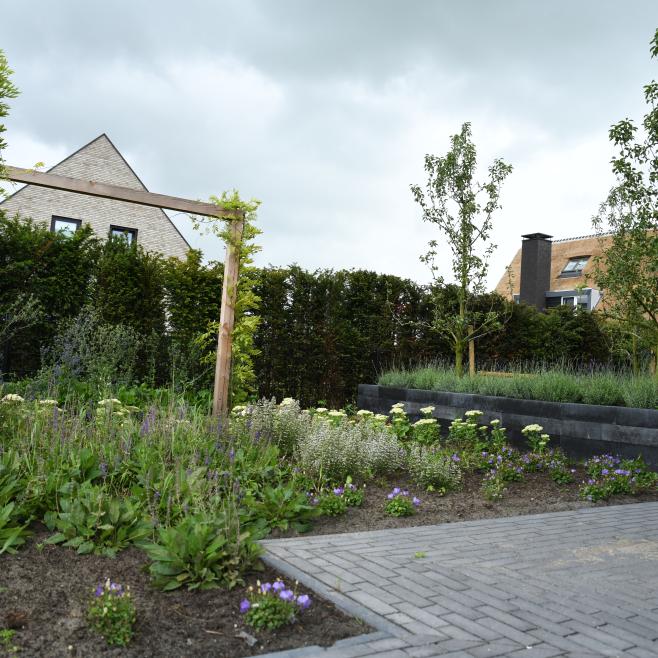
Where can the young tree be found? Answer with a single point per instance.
(7, 90)
(462, 210)
(628, 269)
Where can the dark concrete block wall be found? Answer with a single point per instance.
(581, 430)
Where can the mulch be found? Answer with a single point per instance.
(536, 494)
(45, 590)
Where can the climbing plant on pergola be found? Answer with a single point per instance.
(236, 217)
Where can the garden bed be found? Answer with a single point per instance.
(45, 591)
(535, 494)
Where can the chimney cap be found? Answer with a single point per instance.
(536, 236)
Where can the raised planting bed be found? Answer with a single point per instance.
(535, 494)
(45, 592)
(581, 430)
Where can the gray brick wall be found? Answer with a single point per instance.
(99, 160)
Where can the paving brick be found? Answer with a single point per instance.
(562, 583)
(538, 651)
(371, 602)
(473, 627)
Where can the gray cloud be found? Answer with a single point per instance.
(324, 110)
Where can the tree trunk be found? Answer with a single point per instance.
(634, 360)
(459, 359)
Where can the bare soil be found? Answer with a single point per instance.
(44, 593)
(536, 494)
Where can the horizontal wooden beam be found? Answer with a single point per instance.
(140, 197)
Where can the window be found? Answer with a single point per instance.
(64, 225)
(575, 266)
(128, 234)
(568, 301)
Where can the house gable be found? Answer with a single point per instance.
(100, 161)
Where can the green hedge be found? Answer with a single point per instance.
(321, 333)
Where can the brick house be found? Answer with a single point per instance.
(66, 211)
(546, 273)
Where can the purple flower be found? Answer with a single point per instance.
(265, 588)
(286, 595)
(339, 491)
(455, 458)
(416, 501)
(278, 585)
(99, 591)
(391, 496)
(231, 455)
(605, 471)
(396, 491)
(244, 605)
(304, 601)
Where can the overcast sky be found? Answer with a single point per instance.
(324, 109)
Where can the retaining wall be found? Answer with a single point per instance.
(581, 430)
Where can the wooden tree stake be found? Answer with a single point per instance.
(227, 319)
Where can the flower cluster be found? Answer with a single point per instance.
(426, 431)
(507, 464)
(610, 475)
(112, 613)
(12, 397)
(536, 439)
(399, 503)
(271, 605)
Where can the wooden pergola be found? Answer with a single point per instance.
(144, 198)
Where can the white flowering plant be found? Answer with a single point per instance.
(536, 438)
(426, 431)
(334, 452)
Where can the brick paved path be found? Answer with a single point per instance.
(581, 583)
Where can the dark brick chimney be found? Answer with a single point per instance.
(535, 269)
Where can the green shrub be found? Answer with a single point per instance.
(281, 507)
(93, 522)
(202, 552)
(332, 504)
(433, 469)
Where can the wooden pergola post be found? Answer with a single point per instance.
(145, 198)
(220, 398)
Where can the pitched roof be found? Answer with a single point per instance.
(101, 161)
(561, 252)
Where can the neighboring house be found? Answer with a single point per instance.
(546, 273)
(67, 211)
